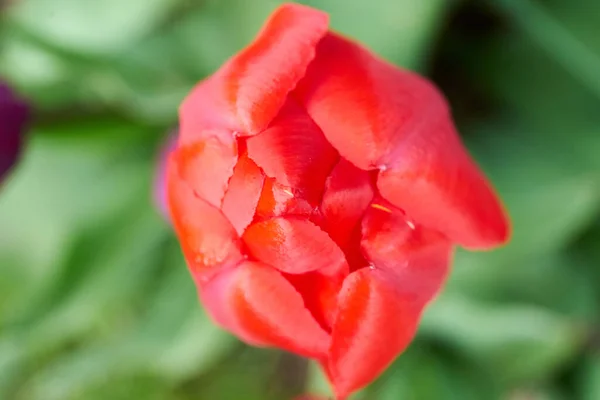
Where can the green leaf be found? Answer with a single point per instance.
(404, 29)
(316, 381)
(423, 373)
(206, 37)
(90, 26)
(589, 380)
(196, 348)
(545, 280)
(518, 342)
(11, 364)
(59, 187)
(182, 341)
(557, 40)
(537, 393)
(248, 374)
(37, 72)
(174, 340)
(551, 199)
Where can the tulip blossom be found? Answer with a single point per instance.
(317, 192)
(13, 117)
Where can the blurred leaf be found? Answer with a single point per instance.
(581, 61)
(317, 382)
(11, 364)
(537, 184)
(247, 374)
(37, 72)
(60, 186)
(589, 382)
(90, 26)
(104, 300)
(77, 371)
(420, 373)
(564, 120)
(101, 303)
(194, 349)
(174, 340)
(405, 28)
(74, 254)
(537, 393)
(546, 280)
(551, 199)
(135, 386)
(206, 37)
(546, 84)
(182, 340)
(519, 342)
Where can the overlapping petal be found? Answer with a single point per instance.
(348, 193)
(259, 305)
(293, 245)
(400, 124)
(374, 324)
(243, 193)
(277, 200)
(207, 165)
(419, 258)
(364, 105)
(249, 90)
(319, 290)
(294, 152)
(437, 184)
(207, 238)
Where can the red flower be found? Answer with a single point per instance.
(317, 192)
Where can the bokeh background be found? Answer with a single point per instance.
(95, 300)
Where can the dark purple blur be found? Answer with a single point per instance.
(14, 115)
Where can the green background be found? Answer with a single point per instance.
(95, 300)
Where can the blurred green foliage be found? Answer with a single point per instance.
(95, 300)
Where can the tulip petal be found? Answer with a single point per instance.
(260, 77)
(294, 246)
(205, 108)
(294, 151)
(207, 165)
(243, 193)
(447, 193)
(374, 325)
(250, 89)
(364, 105)
(348, 193)
(320, 290)
(381, 117)
(419, 258)
(277, 200)
(208, 240)
(260, 306)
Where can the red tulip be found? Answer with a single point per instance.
(317, 192)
